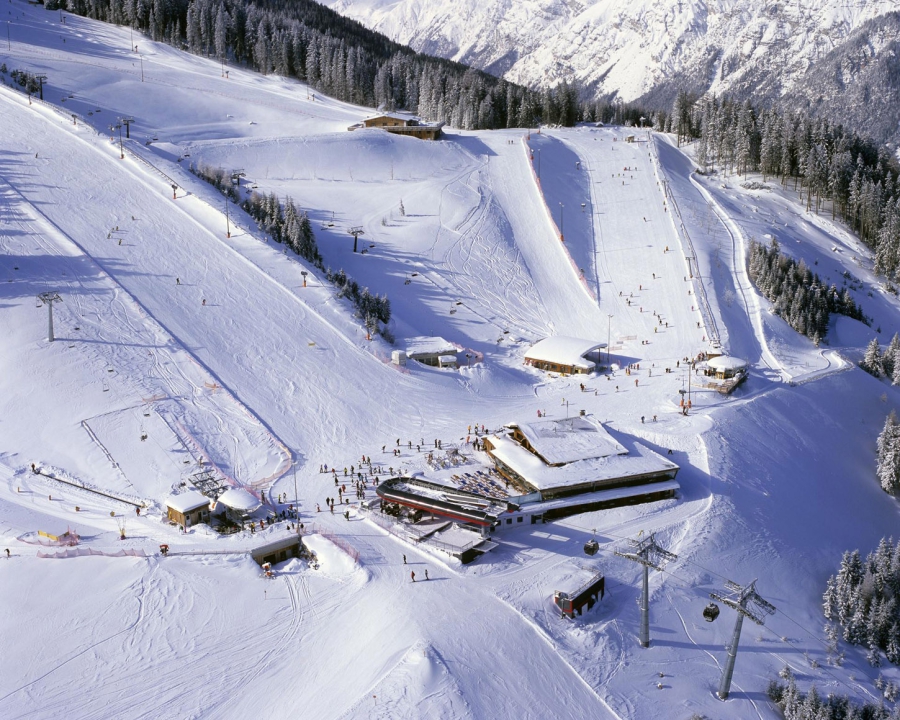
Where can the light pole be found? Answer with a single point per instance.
(561, 234)
(141, 57)
(566, 403)
(689, 384)
(113, 128)
(296, 502)
(539, 163)
(608, 337)
(468, 359)
(48, 298)
(227, 221)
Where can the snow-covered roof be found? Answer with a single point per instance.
(424, 345)
(564, 350)
(640, 461)
(239, 499)
(392, 115)
(726, 362)
(576, 438)
(187, 501)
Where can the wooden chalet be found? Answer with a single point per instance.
(188, 508)
(402, 125)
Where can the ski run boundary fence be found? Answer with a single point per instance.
(85, 552)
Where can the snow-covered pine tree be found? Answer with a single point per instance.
(891, 355)
(219, 35)
(871, 361)
(887, 460)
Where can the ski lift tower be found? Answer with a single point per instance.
(41, 80)
(746, 602)
(355, 232)
(650, 554)
(48, 298)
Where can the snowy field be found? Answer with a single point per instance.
(212, 348)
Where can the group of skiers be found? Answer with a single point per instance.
(412, 573)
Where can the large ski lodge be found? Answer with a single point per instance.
(551, 468)
(576, 466)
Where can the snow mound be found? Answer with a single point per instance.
(419, 685)
(333, 561)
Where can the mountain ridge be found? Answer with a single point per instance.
(646, 51)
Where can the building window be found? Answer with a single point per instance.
(519, 519)
(509, 521)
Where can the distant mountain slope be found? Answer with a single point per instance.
(650, 48)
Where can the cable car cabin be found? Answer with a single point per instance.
(587, 595)
(591, 547)
(711, 612)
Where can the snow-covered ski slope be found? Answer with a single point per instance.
(270, 379)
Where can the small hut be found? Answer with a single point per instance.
(433, 351)
(586, 596)
(278, 550)
(188, 508)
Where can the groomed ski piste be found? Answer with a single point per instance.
(212, 347)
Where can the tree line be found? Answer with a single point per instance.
(286, 223)
(823, 160)
(335, 55)
(883, 364)
(341, 58)
(798, 295)
(796, 705)
(862, 598)
(24, 79)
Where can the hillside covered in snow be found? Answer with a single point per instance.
(191, 346)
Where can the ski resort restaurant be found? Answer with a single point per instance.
(567, 355)
(575, 465)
